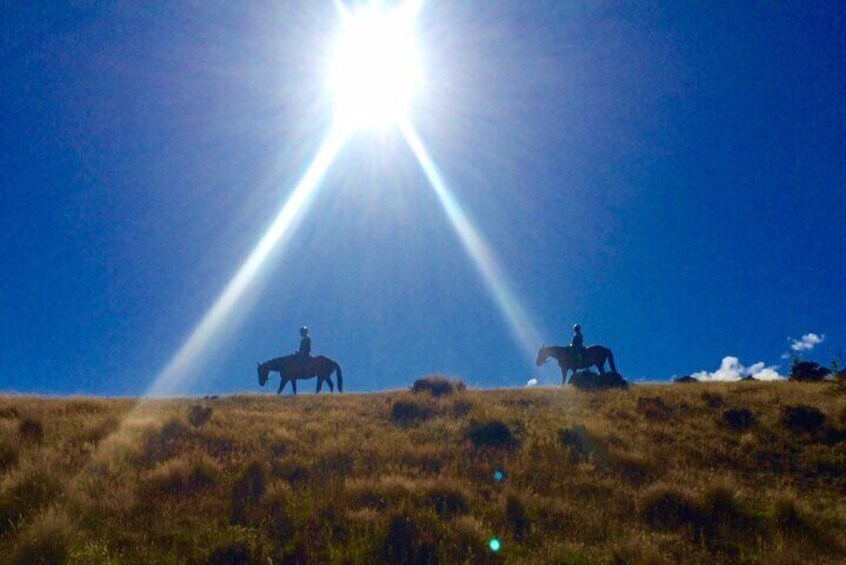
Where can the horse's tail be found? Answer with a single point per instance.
(611, 361)
(340, 377)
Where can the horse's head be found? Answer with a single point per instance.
(263, 371)
(543, 355)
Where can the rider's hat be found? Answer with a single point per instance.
(304, 330)
(577, 328)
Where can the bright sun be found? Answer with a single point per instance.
(374, 70)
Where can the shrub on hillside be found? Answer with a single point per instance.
(408, 541)
(578, 442)
(447, 500)
(713, 400)
(9, 453)
(406, 412)
(491, 434)
(31, 429)
(788, 516)
(48, 540)
(802, 418)
(516, 518)
(685, 380)
(199, 415)
(247, 490)
(670, 508)
(587, 380)
(25, 494)
(437, 385)
(738, 419)
(807, 371)
(654, 408)
(182, 476)
(9, 413)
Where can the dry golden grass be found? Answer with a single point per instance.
(717, 473)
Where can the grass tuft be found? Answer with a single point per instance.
(738, 419)
(491, 434)
(666, 507)
(409, 412)
(31, 429)
(802, 418)
(199, 415)
(48, 540)
(437, 385)
(247, 490)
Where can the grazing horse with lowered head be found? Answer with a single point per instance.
(292, 368)
(567, 359)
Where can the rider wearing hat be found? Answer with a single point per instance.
(578, 344)
(305, 344)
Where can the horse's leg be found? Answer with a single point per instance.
(281, 386)
(330, 383)
(319, 384)
(601, 366)
(294, 386)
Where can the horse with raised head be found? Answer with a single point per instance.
(595, 355)
(291, 369)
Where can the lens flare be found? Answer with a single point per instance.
(177, 374)
(492, 274)
(374, 69)
(494, 545)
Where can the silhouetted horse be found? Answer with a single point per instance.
(292, 369)
(566, 357)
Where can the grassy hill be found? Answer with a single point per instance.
(731, 472)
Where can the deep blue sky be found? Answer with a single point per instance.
(670, 175)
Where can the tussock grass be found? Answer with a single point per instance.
(645, 475)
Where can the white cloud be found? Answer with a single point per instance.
(732, 370)
(532, 382)
(806, 343)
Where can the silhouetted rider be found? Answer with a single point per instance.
(305, 345)
(578, 345)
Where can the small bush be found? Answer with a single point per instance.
(713, 400)
(9, 413)
(515, 517)
(247, 490)
(25, 494)
(738, 419)
(653, 408)
(686, 380)
(802, 418)
(670, 508)
(407, 542)
(199, 415)
(447, 500)
(807, 371)
(437, 385)
(405, 412)
(633, 467)
(491, 434)
(578, 442)
(182, 476)
(47, 541)
(9, 453)
(788, 516)
(31, 429)
(587, 380)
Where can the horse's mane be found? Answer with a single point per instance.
(275, 362)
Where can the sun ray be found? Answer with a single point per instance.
(525, 332)
(177, 371)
